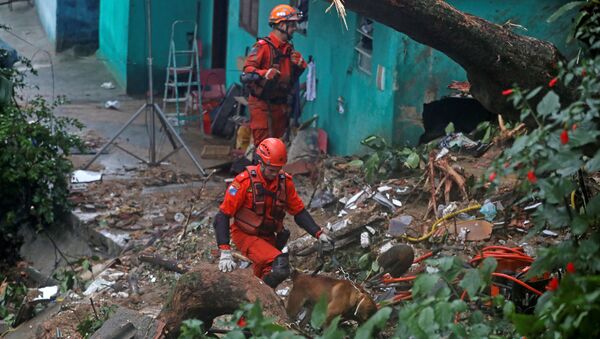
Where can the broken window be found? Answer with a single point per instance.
(302, 5)
(364, 45)
(249, 16)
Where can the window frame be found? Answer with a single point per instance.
(362, 52)
(248, 17)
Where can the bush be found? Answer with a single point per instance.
(34, 164)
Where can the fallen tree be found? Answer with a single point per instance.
(205, 293)
(494, 57)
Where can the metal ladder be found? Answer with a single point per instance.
(180, 81)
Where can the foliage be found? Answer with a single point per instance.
(553, 161)
(386, 159)
(191, 329)
(439, 309)
(11, 298)
(92, 323)
(34, 164)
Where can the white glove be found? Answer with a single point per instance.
(325, 238)
(226, 263)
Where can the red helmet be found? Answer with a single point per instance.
(272, 151)
(284, 13)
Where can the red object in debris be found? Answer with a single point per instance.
(507, 92)
(574, 127)
(493, 176)
(531, 177)
(242, 322)
(322, 140)
(507, 164)
(583, 72)
(206, 122)
(564, 137)
(553, 82)
(552, 285)
(571, 267)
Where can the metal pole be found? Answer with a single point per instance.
(150, 95)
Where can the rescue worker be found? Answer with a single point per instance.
(257, 200)
(270, 71)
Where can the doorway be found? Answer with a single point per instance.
(219, 33)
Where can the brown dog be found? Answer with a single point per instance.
(343, 298)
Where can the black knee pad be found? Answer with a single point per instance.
(280, 270)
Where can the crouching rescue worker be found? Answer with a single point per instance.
(270, 72)
(257, 200)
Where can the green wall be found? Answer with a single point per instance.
(123, 41)
(113, 36)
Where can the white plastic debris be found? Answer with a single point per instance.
(81, 176)
(47, 293)
(370, 229)
(282, 292)
(549, 233)
(112, 104)
(364, 240)
(442, 153)
(384, 188)
(179, 217)
(340, 225)
(450, 208)
(352, 201)
(397, 203)
(96, 286)
(530, 207)
(108, 85)
(385, 247)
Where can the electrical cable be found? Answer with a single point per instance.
(439, 221)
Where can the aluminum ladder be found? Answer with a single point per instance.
(183, 77)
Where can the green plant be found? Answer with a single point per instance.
(11, 299)
(441, 309)
(92, 322)
(553, 161)
(34, 165)
(385, 159)
(192, 329)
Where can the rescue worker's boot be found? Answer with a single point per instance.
(280, 270)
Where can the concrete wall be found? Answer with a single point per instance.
(69, 22)
(46, 10)
(114, 37)
(77, 23)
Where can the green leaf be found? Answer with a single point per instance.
(563, 9)
(449, 128)
(412, 161)
(424, 284)
(364, 260)
(374, 266)
(377, 321)
(579, 225)
(593, 164)
(549, 104)
(319, 313)
(471, 282)
(426, 320)
(333, 331)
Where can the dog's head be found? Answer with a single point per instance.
(365, 309)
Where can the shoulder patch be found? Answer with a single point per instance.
(242, 176)
(261, 42)
(232, 190)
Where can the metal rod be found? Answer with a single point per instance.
(178, 137)
(115, 137)
(150, 95)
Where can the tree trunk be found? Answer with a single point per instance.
(494, 57)
(206, 293)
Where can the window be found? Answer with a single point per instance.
(302, 5)
(364, 45)
(249, 16)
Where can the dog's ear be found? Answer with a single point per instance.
(366, 310)
(294, 273)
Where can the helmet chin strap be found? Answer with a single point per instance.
(286, 32)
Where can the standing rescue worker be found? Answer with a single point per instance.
(257, 200)
(270, 71)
